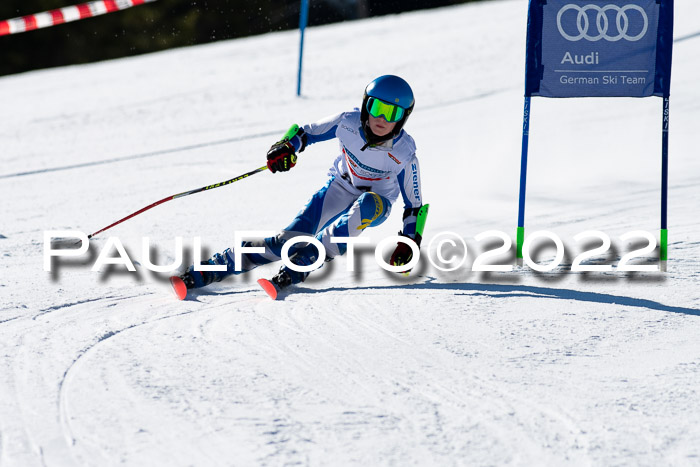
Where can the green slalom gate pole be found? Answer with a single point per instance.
(520, 237)
(663, 250)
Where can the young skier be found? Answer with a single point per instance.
(377, 161)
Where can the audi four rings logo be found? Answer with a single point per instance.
(602, 22)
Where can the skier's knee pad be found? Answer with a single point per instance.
(374, 209)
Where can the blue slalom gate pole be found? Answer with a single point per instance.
(523, 177)
(663, 250)
(303, 20)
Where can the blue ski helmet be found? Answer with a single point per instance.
(391, 90)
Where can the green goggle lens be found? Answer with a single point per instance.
(391, 112)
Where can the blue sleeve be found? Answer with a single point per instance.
(409, 183)
(330, 134)
(323, 130)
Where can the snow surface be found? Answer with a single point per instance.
(363, 368)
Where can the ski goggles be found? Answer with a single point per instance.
(378, 108)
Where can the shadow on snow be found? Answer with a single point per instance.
(508, 291)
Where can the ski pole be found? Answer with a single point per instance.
(180, 195)
(293, 130)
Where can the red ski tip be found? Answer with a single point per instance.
(179, 287)
(268, 287)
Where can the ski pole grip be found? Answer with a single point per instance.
(291, 133)
(295, 131)
(421, 218)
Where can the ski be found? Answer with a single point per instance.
(179, 287)
(269, 287)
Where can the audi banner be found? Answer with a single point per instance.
(593, 48)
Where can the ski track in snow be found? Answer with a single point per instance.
(63, 384)
(361, 368)
(506, 291)
(267, 134)
(141, 156)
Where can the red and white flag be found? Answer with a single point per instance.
(65, 15)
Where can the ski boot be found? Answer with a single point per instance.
(192, 279)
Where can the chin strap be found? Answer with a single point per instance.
(372, 139)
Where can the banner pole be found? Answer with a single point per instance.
(663, 251)
(303, 20)
(523, 176)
